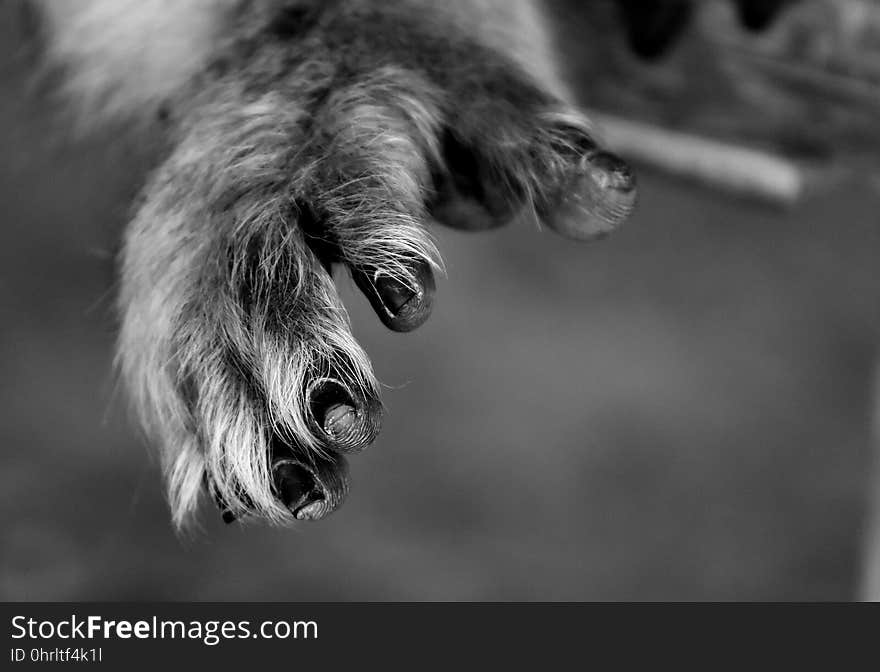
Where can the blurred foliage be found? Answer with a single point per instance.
(807, 86)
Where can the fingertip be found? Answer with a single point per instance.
(298, 489)
(400, 305)
(597, 200)
(309, 488)
(344, 423)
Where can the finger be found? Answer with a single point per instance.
(598, 196)
(578, 189)
(376, 158)
(529, 152)
(344, 420)
(310, 488)
(316, 379)
(402, 303)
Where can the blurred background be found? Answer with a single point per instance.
(681, 411)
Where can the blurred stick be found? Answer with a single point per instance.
(746, 172)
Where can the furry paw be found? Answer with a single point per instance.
(339, 148)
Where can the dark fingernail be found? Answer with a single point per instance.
(400, 305)
(298, 490)
(394, 294)
(612, 172)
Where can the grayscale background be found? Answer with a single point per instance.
(681, 411)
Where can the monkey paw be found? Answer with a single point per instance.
(234, 344)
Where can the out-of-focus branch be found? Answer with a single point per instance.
(747, 172)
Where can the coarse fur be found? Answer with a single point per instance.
(303, 134)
